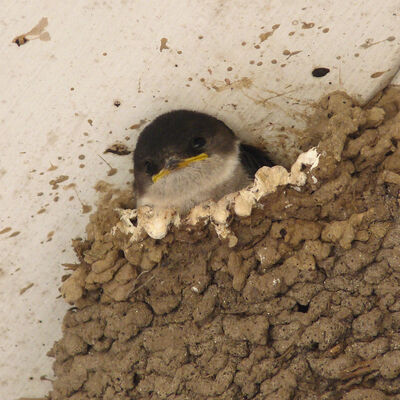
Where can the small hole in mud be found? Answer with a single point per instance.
(301, 308)
(117, 103)
(389, 153)
(314, 346)
(320, 72)
(330, 115)
(136, 379)
(121, 254)
(354, 135)
(386, 188)
(133, 221)
(394, 141)
(303, 167)
(283, 232)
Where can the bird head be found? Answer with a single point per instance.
(175, 142)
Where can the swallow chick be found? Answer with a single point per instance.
(183, 158)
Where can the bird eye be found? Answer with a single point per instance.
(198, 142)
(149, 167)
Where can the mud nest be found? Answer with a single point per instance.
(306, 304)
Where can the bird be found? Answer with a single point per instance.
(183, 158)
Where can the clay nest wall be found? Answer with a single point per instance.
(305, 304)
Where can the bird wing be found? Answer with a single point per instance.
(253, 158)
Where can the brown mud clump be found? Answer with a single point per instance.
(305, 304)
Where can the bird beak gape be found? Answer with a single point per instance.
(171, 166)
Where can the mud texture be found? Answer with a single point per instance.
(306, 305)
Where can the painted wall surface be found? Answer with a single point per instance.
(95, 72)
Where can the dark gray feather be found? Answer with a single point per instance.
(253, 158)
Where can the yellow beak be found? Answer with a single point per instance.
(182, 164)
